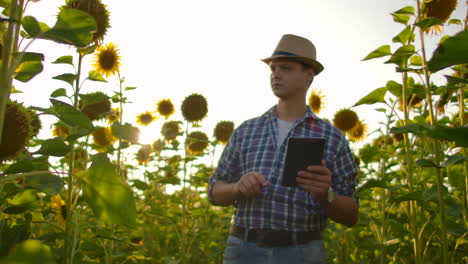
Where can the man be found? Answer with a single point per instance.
(275, 223)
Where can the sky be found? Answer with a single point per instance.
(171, 49)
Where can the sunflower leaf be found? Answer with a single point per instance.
(455, 21)
(129, 88)
(54, 147)
(376, 96)
(408, 196)
(107, 195)
(30, 251)
(455, 83)
(453, 50)
(31, 26)
(401, 18)
(30, 56)
(96, 76)
(455, 159)
(379, 52)
(28, 70)
(59, 92)
(372, 183)
(408, 10)
(47, 183)
(426, 23)
(394, 88)
(404, 36)
(73, 27)
(455, 134)
(64, 59)
(66, 77)
(401, 55)
(70, 115)
(425, 163)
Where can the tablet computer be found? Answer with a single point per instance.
(300, 153)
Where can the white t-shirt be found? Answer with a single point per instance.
(283, 130)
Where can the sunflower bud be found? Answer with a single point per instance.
(17, 130)
(196, 142)
(194, 107)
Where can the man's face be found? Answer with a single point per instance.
(289, 79)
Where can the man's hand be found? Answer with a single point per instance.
(250, 184)
(316, 180)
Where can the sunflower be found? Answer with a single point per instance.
(97, 104)
(113, 116)
(158, 145)
(165, 108)
(345, 119)
(170, 130)
(61, 130)
(444, 99)
(194, 107)
(17, 130)
(441, 9)
(196, 142)
(145, 118)
(58, 206)
(143, 154)
(103, 136)
(358, 132)
(413, 101)
(223, 131)
(98, 11)
(36, 123)
(107, 60)
(316, 100)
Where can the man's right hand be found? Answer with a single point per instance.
(250, 184)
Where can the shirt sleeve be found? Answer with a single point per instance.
(345, 172)
(228, 169)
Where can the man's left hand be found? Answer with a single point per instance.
(316, 180)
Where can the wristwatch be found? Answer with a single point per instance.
(330, 194)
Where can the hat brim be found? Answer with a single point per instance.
(317, 66)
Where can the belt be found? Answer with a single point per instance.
(275, 238)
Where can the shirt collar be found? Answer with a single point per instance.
(271, 114)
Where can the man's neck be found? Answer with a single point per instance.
(290, 111)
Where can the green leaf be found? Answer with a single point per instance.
(426, 23)
(25, 198)
(107, 195)
(54, 147)
(66, 77)
(70, 115)
(96, 76)
(394, 88)
(404, 36)
(455, 134)
(30, 56)
(455, 83)
(73, 27)
(408, 10)
(59, 92)
(27, 70)
(129, 88)
(46, 183)
(30, 251)
(425, 163)
(453, 50)
(122, 131)
(20, 166)
(455, 159)
(78, 134)
(401, 55)
(416, 60)
(455, 21)
(376, 96)
(93, 98)
(10, 236)
(372, 183)
(140, 185)
(379, 52)
(401, 18)
(64, 59)
(409, 196)
(31, 26)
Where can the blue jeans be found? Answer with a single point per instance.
(239, 251)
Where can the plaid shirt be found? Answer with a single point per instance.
(254, 147)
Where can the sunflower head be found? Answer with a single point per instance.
(107, 60)
(158, 146)
(103, 136)
(113, 116)
(316, 100)
(196, 142)
(146, 118)
(170, 130)
(358, 132)
(17, 130)
(36, 123)
(223, 131)
(194, 107)
(380, 141)
(61, 130)
(143, 154)
(165, 108)
(441, 9)
(345, 119)
(58, 206)
(95, 104)
(98, 11)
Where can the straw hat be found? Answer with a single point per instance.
(298, 48)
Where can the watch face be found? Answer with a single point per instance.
(331, 195)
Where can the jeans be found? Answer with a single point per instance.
(239, 251)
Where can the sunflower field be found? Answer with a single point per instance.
(92, 193)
